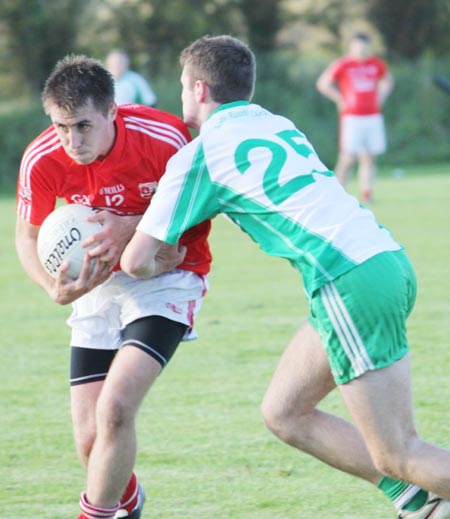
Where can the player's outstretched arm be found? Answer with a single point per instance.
(146, 257)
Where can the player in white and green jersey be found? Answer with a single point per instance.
(261, 171)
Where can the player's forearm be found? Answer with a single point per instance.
(385, 87)
(329, 90)
(27, 253)
(331, 93)
(139, 259)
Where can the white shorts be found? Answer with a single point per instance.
(98, 318)
(362, 133)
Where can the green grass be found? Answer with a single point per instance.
(203, 450)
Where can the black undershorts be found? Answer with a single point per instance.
(156, 335)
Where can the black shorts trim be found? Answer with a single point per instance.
(87, 379)
(144, 347)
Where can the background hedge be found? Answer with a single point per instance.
(417, 113)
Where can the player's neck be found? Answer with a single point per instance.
(110, 140)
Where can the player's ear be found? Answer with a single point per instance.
(201, 91)
(113, 111)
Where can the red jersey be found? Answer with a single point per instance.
(357, 82)
(124, 181)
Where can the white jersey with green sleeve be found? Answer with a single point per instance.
(261, 171)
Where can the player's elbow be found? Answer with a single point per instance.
(135, 266)
(322, 85)
(130, 269)
(138, 260)
(319, 85)
(135, 270)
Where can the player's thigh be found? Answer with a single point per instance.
(83, 401)
(148, 344)
(367, 160)
(130, 377)
(302, 377)
(344, 164)
(83, 411)
(380, 403)
(88, 370)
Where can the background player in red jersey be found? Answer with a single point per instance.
(123, 331)
(359, 84)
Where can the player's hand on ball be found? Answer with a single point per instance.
(113, 237)
(93, 272)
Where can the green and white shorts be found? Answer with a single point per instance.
(361, 316)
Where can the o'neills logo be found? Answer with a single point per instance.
(60, 250)
(111, 190)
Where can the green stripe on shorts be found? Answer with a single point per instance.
(361, 316)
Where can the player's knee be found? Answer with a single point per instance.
(84, 434)
(84, 442)
(274, 421)
(278, 419)
(346, 160)
(113, 413)
(271, 414)
(393, 462)
(388, 466)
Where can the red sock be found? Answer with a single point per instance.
(367, 196)
(129, 499)
(95, 512)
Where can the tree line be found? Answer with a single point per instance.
(34, 34)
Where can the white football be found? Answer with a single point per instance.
(60, 238)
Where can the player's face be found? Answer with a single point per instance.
(86, 134)
(189, 101)
(359, 49)
(117, 64)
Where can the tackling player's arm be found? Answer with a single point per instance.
(62, 290)
(146, 257)
(116, 234)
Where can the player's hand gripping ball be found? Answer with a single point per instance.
(60, 238)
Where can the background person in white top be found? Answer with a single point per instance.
(261, 171)
(130, 87)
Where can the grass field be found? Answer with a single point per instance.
(204, 452)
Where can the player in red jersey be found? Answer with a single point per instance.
(124, 331)
(359, 84)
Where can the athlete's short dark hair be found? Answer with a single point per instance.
(362, 36)
(225, 63)
(75, 80)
